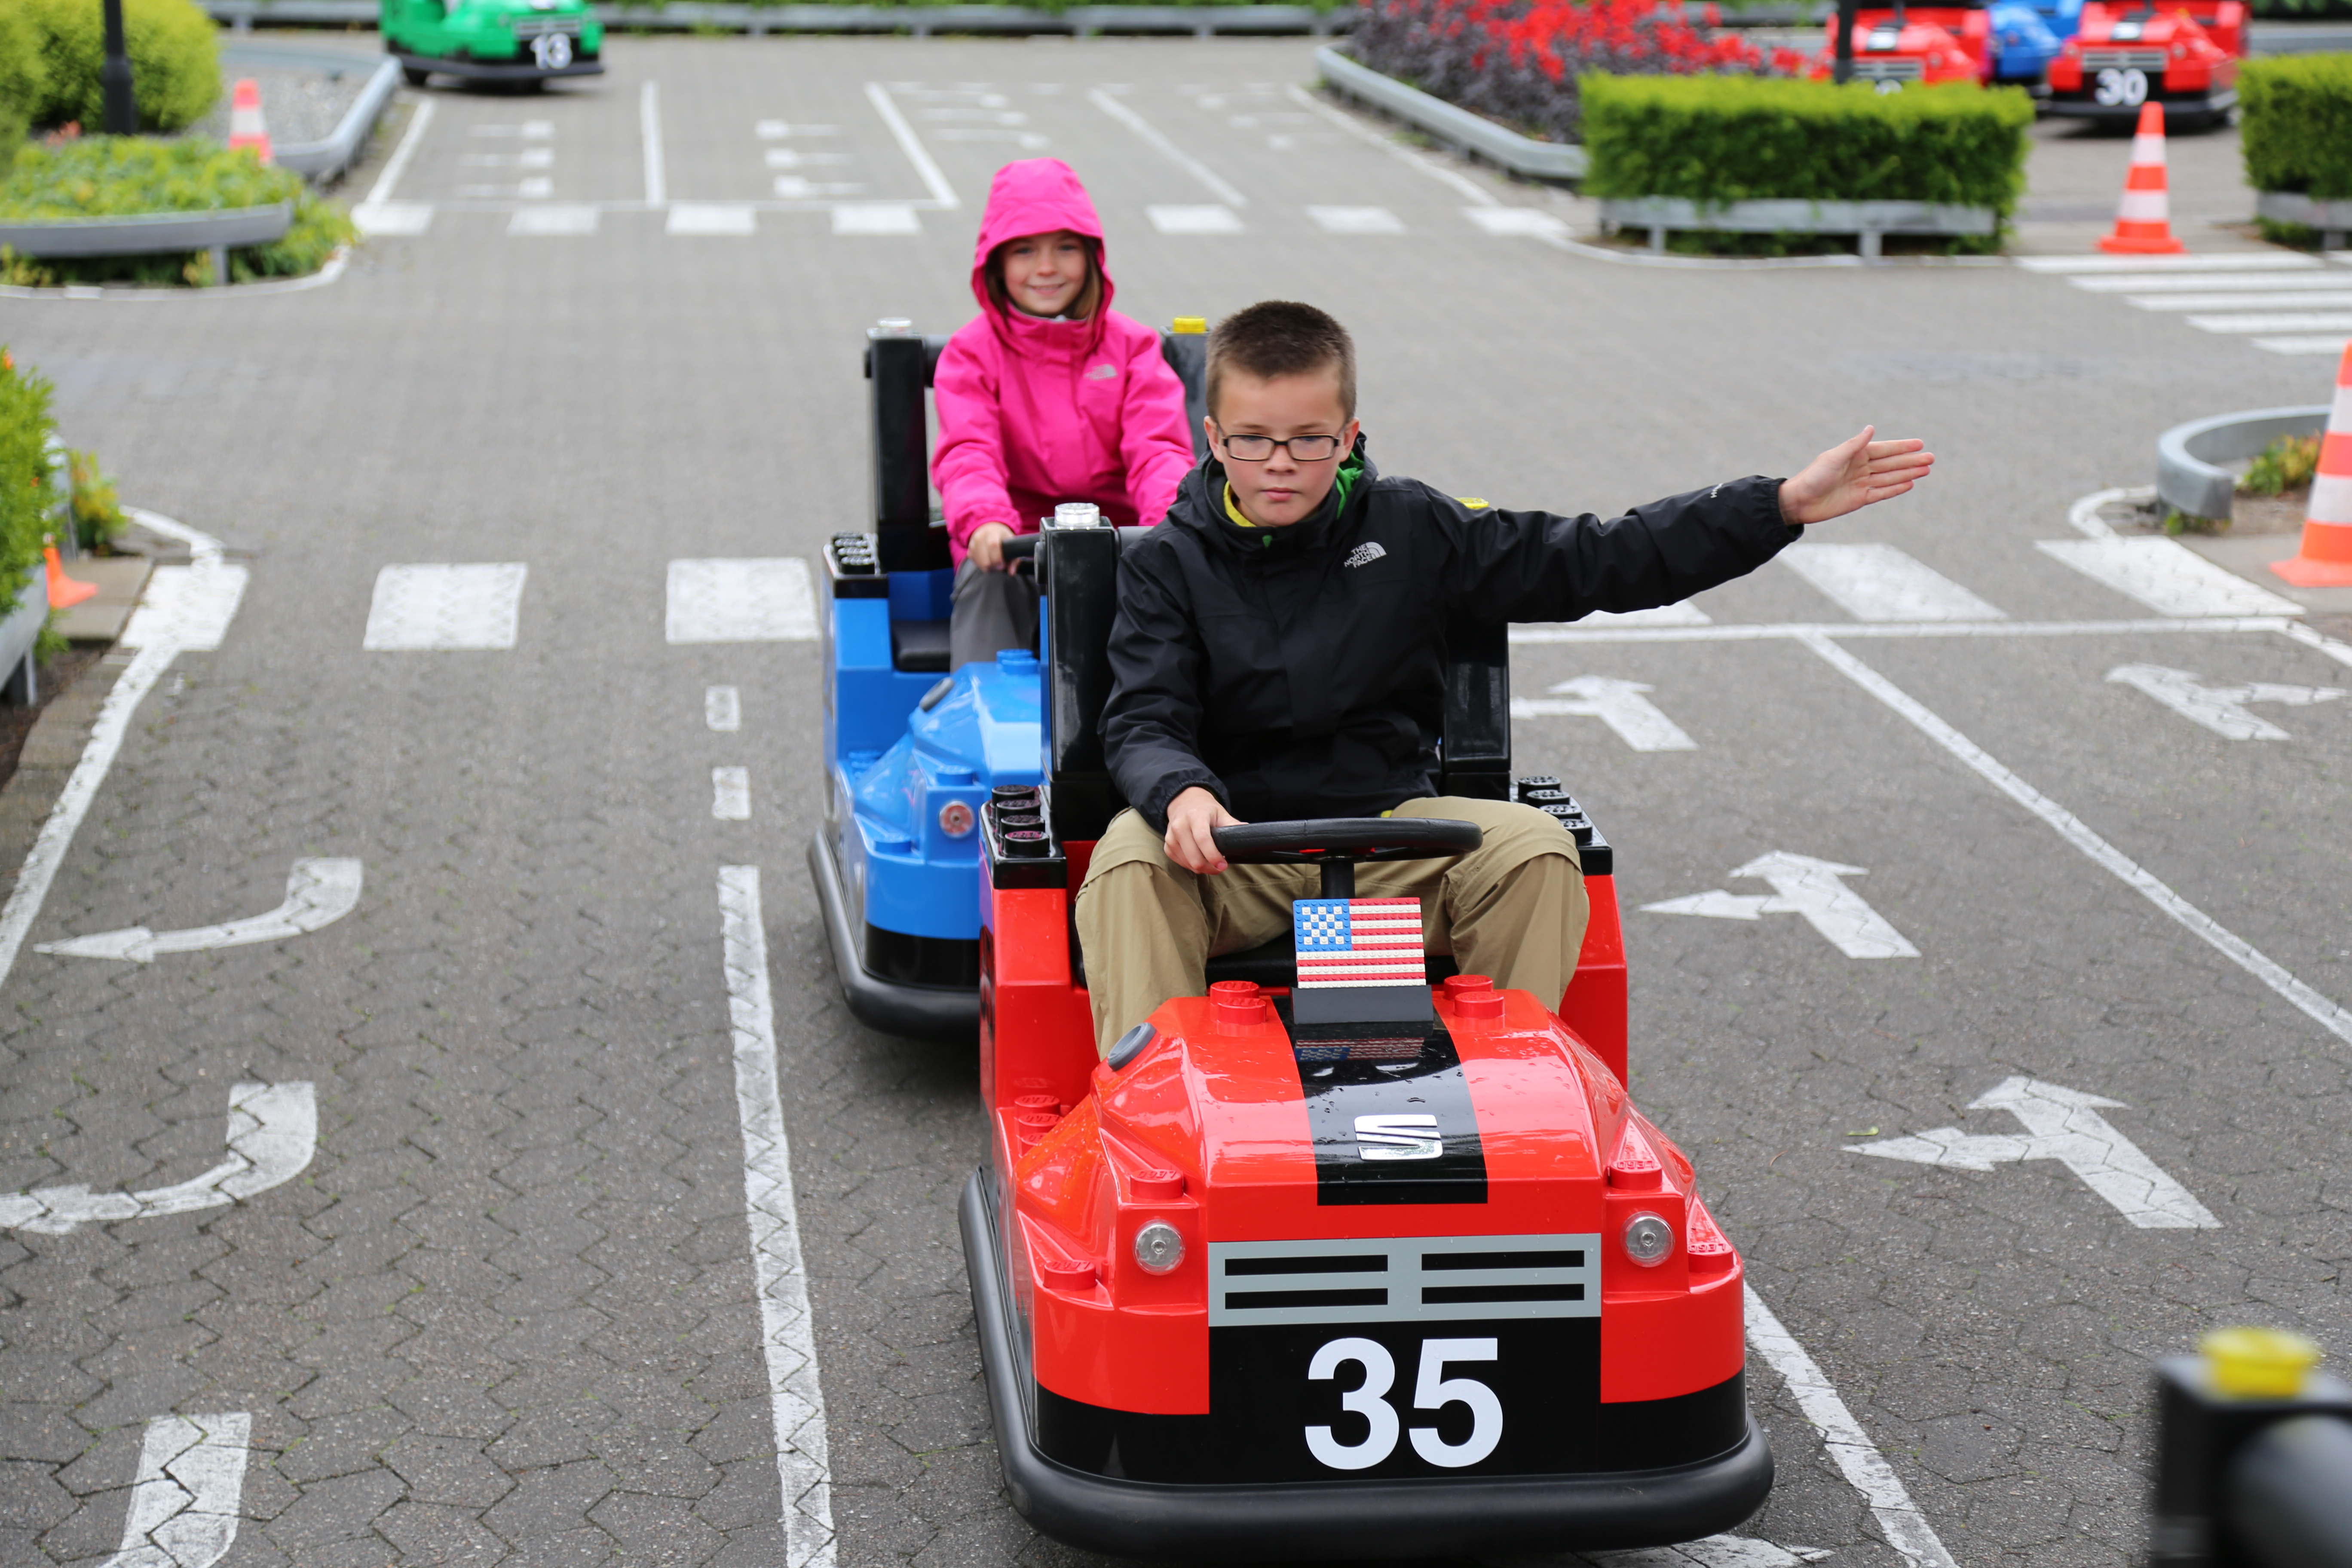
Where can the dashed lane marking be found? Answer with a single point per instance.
(569, 219)
(1880, 583)
(757, 600)
(1355, 220)
(1803, 886)
(722, 709)
(1620, 704)
(711, 217)
(439, 608)
(317, 894)
(188, 1493)
(2252, 260)
(273, 1130)
(1520, 222)
(730, 794)
(1420, 161)
(2166, 576)
(787, 1341)
(2221, 709)
(650, 136)
(1195, 220)
(876, 218)
(1158, 141)
(2064, 1125)
(926, 169)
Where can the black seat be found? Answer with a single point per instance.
(919, 646)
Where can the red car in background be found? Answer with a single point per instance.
(2184, 57)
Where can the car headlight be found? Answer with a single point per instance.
(1159, 1249)
(1648, 1240)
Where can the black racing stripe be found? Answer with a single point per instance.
(1430, 1088)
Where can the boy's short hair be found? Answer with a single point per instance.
(1281, 337)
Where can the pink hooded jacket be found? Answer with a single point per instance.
(1034, 412)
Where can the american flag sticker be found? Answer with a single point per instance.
(1358, 942)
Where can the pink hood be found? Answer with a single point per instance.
(1034, 412)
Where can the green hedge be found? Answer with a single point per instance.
(1728, 139)
(23, 74)
(2296, 114)
(174, 60)
(25, 497)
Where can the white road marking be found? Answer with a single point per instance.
(756, 600)
(393, 218)
(2295, 631)
(1355, 220)
(1803, 886)
(2324, 343)
(777, 130)
(397, 164)
(1031, 140)
(1681, 613)
(2190, 282)
(2083, 517)
(1153, 136)
(1849, 1446)
(649, 134)
(529, 158)
(273, 1130)
(879, 218)
(1397, 149)
(1585, 631)
(2166, 576)
(730, 794)
(1712, 1552)
(1620, 704)
(917, 154)
(786, 1336)
(185, 608)
(317, 894)
(2339, 323)
(572, 219)
(2221, 709)
(2322, 1011)
(185, 1500)
(1523, 222)
(722, 709)
(432, 608)
(793, 158)
(1880, 583)
(2062, 1124)
(2263, 261)
(711, 217)
(1195, 220)
(536, 189)
(2312, 300)
(800, 187)
(529, 129)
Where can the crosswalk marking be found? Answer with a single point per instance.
(2304, 300)
(2257, 288)
(1208, 219)
(2325, 343)
(2252, 260)
(2166, 576)
(1355, 220)
(880, 217)
(392, 217)
(1516, 222)
(2192, 282)
(711, 217)
(440, 608)
(2288, 321)
(1880, 583)
(756, 600)
(571, 218)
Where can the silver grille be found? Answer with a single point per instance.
(2123, 59)
(537, 26)
(1426, 1278)
(1906, 68)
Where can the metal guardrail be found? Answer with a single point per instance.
(1085, 21)
(2189, 476)
(1869, 221)
(2332, 220)
(154, 234)
(1522, 155)
(323, 160)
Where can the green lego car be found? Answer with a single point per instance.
(523, 41)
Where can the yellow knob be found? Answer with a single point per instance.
(2258, 1364)
(1188, 325)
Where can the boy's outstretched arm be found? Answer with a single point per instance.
(1851, 475)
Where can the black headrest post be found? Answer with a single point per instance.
(1476, 764)
(1187, 353)
(898, 371)
(1080, 568)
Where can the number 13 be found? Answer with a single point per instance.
(1433, 1390)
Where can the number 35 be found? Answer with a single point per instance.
(1433, 1390)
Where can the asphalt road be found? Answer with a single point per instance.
(509, 1313)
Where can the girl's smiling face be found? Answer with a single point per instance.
(1045, 274)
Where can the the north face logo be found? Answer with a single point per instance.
(1364, 555)
(1101, 372)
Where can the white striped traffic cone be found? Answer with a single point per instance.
(244, 124)
(2144, 220)
(2326, 559)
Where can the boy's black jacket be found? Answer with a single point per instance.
(1295, 672)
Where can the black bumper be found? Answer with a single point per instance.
(2195, 106)
(891, 1007)
(495, 70)
(1325, 1519)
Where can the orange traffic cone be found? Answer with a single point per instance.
(2326, 559)
(64, 592)
(2144, 220)
(246, 127)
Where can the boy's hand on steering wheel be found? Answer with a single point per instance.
(986, 546)
(1851, 475)
(1192, 816)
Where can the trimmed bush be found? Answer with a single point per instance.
(1729, 139)
(174, 61)
(25, 497)
(2296, 111)
(23, 75)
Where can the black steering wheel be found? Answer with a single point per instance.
(1338, 845)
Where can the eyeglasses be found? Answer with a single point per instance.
(1259, 449)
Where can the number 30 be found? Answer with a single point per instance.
(1433, 1390)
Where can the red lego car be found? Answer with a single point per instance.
(1293, 1274)
(2184, 57)
(1927, 44)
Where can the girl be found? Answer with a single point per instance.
(1048, 395)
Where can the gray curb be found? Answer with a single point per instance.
(2188, 475)
(1458, 127)
(2333, 219)
(1085, 21)
(1870, 221)
(321, 160)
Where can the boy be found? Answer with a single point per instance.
(1277, 654)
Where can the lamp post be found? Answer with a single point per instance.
(1842, 73)
(122, 118)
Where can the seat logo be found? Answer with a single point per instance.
(1364, 555)
(1397, 1137)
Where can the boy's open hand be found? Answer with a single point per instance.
(1192, 816)
(1851, 475)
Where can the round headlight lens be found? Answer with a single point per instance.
(1648, 1240)
(1158, 1247)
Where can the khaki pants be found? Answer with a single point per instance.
(1514, 908)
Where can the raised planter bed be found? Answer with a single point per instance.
(2332, 220)
(1522, 155)
(321, 161)
(1870, 221)
(2189, 476)
(1085, 21)
(18, 634)
(154, 234)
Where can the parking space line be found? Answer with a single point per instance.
(190, 1484)
(1766, 631)
(1154, 138)
(649, 132)
(377, 213)
(787, 1341)
(912, 146)
(2326, 1013)
(1418, 160)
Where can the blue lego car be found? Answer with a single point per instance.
(2027, 36)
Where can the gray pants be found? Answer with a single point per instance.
(994, 611)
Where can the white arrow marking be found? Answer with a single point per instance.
(1803, 886)
(2062, 1124)
(317, 893)
(1616, 703)
(184, 1506)
(273, 1130)
(2221, 709)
